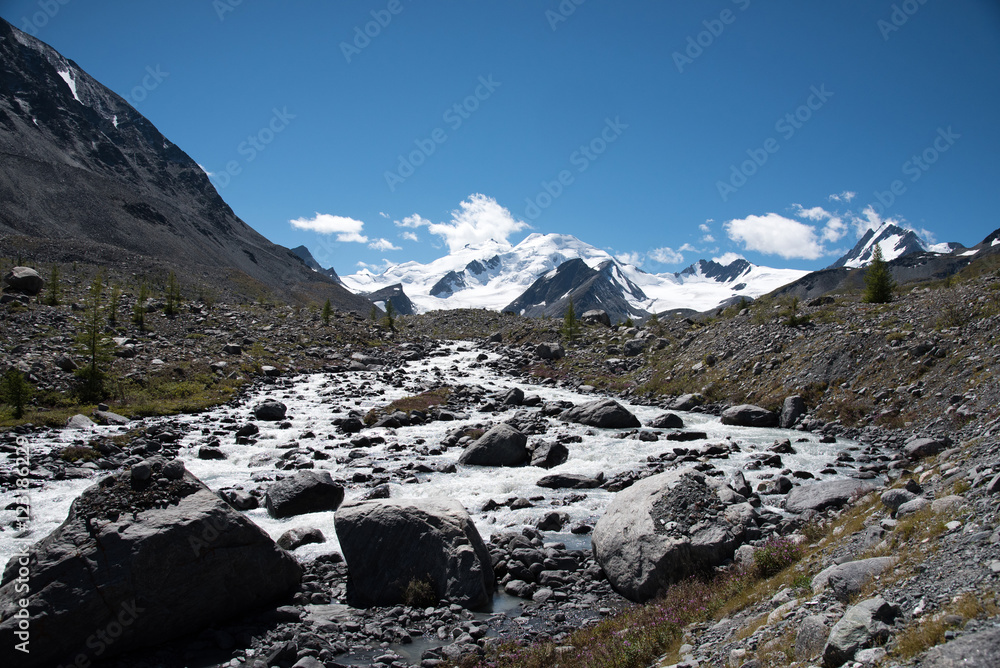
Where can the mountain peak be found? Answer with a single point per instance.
(894, 241)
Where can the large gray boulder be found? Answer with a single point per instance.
(24, 280)
(846, 580)
(661, 530)
(686, 402)
(748, 415)
(791, 410)
(269, 411)
(596, 317)
(304, 492)
(502, 445)
(827, 494)
(390, 543)
(550, 351)
(604, 413)
(918, 448)
(139, 560)
(861, 626)
(666, 421)
(975, 650)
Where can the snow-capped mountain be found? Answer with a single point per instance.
(894, 241)
(497, 275)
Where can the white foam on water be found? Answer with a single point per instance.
(314, 401)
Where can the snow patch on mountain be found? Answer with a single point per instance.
(894, 242)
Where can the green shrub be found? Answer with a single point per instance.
(774, 556)
(419, 594)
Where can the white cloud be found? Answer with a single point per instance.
(835, 227)
(346, 229)
(409, 236)
(412, 222)
(815, 213)
(708, 239)
(665, 255)
(383, 245)
(688, 248)
(383, 214)
(727, 259)
(478, 219)
(705, 228)
(774, 234)
(845, 196)
(635, 259)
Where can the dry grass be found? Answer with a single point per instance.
(925, 633)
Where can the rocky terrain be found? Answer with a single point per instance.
(905, 557)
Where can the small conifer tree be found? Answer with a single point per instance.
(52, 298)
(94, 344)
(571, 326)
(139, 309)
(15, 391)
(327, 311)
(879, 285)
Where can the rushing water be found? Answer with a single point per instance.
(314, 401)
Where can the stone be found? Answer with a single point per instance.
(210, 452)
(24, 280)
(232, 349)
(569, 481)
(947, 504)
(634, 347)
(827, 494)
(792, 409)
(552, 521)
(666, 421)
(502, 445)
(65, 363)
(549, 455)
(296, 538)
(861, 626)
(912, 506)
(810, 639)
(142, 571)
(686, 402)
(596, 317)
(974, 650)
(918, 448)
(106, 417)
(550, 351)
(512, 397)
(748, 415)
(270, 411)
(846, 580)
(79, 421)
(603, 413)
(639, 550)
(894, 498)
(390, 543)
(304, 492)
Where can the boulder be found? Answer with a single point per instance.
(918, 448)
(666, 421)
(604, 413)
(390, 543)
(512, 397)
(24, 280)
(660, 530)
(634, 347)
(791, 410)
(973, 650)
(596, 317)
(127, 570)
(80, 421)
(269, 411)
(65, 363)
(748, 415)
(549, 455)
(686, 402)
(502, 445)
(107, 417)
(894, 498)
(827, 494)
(811, 637)
(550, 351)
(569, 481)
(304, 492)
(846, 580)
(861, 626)
(296, 538)
(912, 507)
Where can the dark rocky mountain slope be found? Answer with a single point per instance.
(85, 176)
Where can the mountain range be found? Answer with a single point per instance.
(84, 176)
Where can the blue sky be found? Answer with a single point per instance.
(661, 131)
